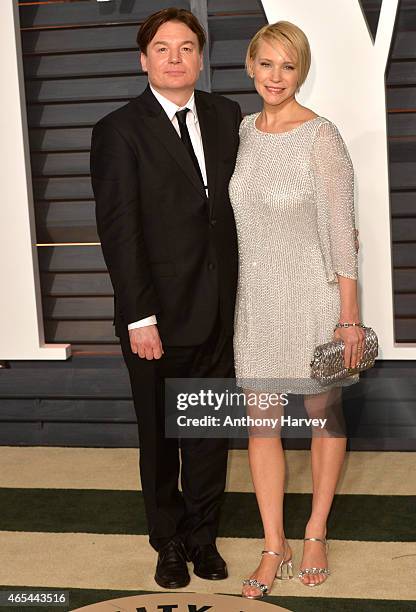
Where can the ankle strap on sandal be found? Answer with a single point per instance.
(315, 540)
(271, 552)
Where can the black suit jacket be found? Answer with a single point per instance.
(169, 250)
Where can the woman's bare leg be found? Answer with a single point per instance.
(267, 466)
(327, 458)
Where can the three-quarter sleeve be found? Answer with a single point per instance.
(334, 189)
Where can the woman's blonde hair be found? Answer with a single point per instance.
(289, 36)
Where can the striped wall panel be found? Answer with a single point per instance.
(86, 401)
(401, 102)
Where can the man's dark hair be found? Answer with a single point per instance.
(151, 25)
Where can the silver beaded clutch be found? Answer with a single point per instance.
(327, 365)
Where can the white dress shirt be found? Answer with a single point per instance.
(194, 130)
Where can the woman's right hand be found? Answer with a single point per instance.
(354, 339)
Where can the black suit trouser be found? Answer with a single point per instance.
(193, 514)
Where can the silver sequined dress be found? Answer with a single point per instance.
(293, 199)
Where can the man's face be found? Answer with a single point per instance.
(173, 59)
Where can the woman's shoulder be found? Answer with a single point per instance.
(328, 141)
(325, 128)
(248, 122)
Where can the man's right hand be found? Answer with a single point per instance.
(146, 342)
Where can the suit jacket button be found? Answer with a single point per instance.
(213, 222)
(211, 266)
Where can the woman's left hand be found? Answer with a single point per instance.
(353, 338)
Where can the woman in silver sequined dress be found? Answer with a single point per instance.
(292, 196)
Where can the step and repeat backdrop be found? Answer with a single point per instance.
(75, 61)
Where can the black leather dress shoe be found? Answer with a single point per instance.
(171, 570)
(208, 562)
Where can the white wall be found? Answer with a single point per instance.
(21, 324)
(346, 85)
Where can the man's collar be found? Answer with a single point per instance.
(170, 107)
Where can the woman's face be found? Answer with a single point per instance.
(275, 73)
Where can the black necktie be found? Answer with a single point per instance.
(186, 139)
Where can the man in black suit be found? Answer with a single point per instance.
(160, 169)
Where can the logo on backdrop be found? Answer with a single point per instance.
(346, 84)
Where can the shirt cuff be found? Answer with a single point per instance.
(143, 322)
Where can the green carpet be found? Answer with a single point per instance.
(380, 518)
(68, 538)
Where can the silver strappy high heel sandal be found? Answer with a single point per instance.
(315, 570)
(284, 572)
